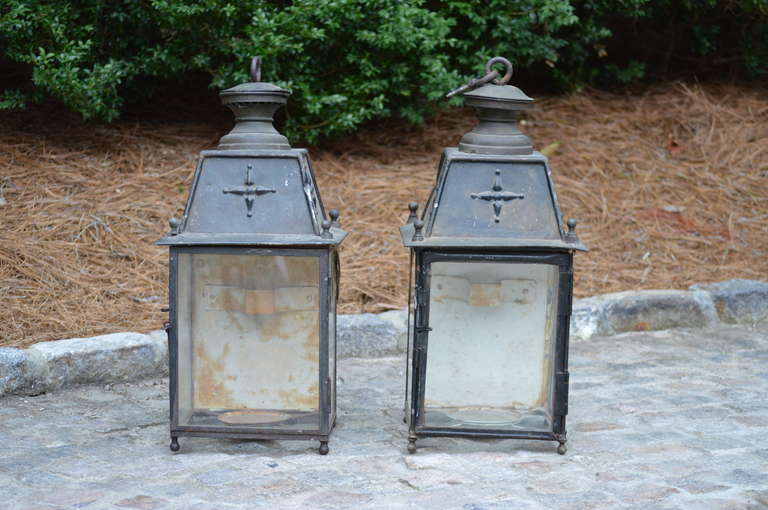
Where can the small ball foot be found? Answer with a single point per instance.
(323, 450)
(561, 449)
(411, 446)
(174, 444)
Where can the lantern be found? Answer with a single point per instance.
(253, 282)
(491, 285)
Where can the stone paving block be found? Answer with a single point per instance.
(758, 499)
(658, 419)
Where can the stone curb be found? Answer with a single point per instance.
(47, 366)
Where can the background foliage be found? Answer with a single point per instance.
(350, 61)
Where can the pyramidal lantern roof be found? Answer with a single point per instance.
(254, 189)
(493, 190)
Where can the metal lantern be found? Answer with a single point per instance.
(491, 284)
(253, 282)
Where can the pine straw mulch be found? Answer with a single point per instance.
(670, 186)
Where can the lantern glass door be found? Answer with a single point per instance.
(491, 347)
(249, 330)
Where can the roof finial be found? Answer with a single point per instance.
(256, 69)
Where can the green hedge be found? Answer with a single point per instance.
(349, 61)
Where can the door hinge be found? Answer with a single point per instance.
(561, 393)
(421, 295)
(566, 293)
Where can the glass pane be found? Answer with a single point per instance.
(490, 356)
(249, 340)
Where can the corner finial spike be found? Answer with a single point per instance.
(571, 236)
(174, 224)
(326, 233)
(256, 69)
(334, 215)
(413, 216)
(417, 226)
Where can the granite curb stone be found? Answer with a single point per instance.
(103, 359)
(644, 310)
(371, 335)
(47, 366)
(14, 370)
(738, 301)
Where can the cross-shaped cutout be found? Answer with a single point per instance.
(249, 191)
(497, 197)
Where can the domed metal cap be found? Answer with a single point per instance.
(506, 97)
(254, 105)
(497, 106)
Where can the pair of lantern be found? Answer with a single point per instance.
(254, 273)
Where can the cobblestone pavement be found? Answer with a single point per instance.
(670, 419)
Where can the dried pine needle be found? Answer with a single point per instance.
(670, 188)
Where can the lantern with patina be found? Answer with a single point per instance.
(254, 274)
(491, 284)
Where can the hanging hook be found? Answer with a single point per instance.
(490, 76)
(256, 69)
(500, 60)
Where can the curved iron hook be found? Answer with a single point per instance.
(474, 83)
(500, 60)
(490, 75)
